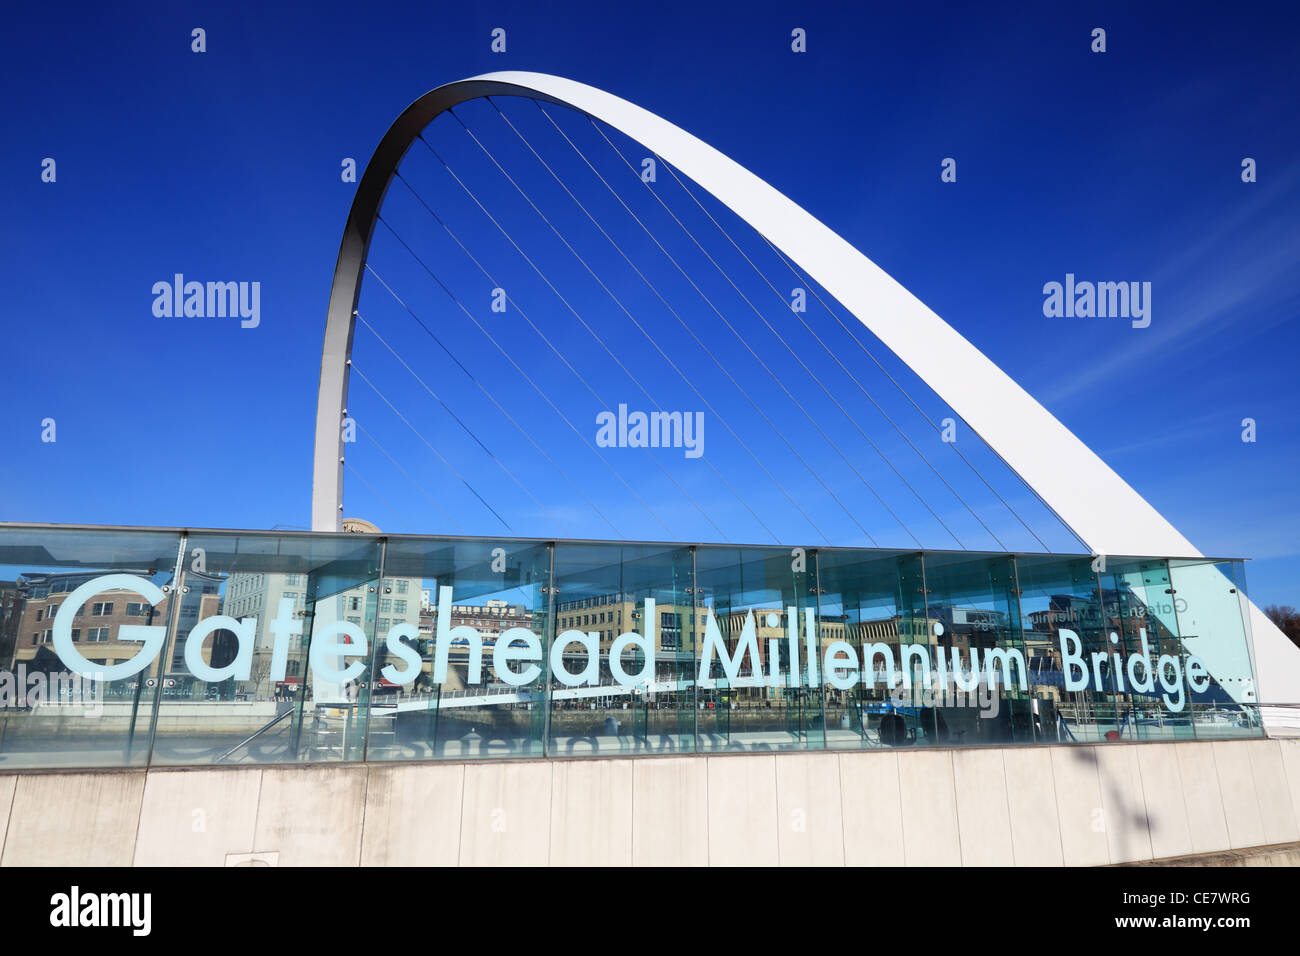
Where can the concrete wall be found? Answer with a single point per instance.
(1076, 805)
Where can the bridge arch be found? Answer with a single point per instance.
(1088, 496)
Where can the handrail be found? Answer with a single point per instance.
(274, 720)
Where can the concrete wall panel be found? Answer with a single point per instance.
(1081, 805)
(1290, 748)
(983, 814)
(872, 809)
(1273, 792)
(1237, 787)
(412, 815)
(311, 816)
(74, 819)
(1166, 807)
(506, 815)
(930, 832)
(810, 826)
(1031, 799)
(7, 785)
(742, 810)
(1078, 806)
(1201, 794)
(591, 813)
(197, 817)
(670, 812)
(1128, 835)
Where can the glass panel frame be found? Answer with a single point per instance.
(273, 648)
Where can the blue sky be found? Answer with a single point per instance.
(225, 166)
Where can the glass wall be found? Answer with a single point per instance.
(126, 647)
(758, 646)
(873, 602)
(466, 674)
(979, 692)
(255, 672)
(86, 614)
(1062, 625)
(624, 650)
(1209, 602)
(1138, 618)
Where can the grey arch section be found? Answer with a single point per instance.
(340, 318)
(1092, 500)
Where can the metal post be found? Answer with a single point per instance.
(549, 591)
(370, 677)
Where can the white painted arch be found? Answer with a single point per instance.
(1070, 478)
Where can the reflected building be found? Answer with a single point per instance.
(375, 608)
(10, 615)
(96, 625)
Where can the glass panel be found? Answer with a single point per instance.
(1140, 622)
(904, 720)
(327, 647)
(612, 603)
(249, 676)
(482, 630)
(86, 614)
(1210, 603)
(753, 602)
(859, 600)
(979, 692)
(1060, 612)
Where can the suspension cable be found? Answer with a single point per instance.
(454, 523)
(795, 355)
(707, 351)
(524, 488)
(357, 475)
(556, 351)
(924, 414)
(479, 384)
(838, 362)
(571, 309)
(431, 447)
(694, 336)
(658, 348)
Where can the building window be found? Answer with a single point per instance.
(399, 606)
(402, 585)
(76, 635)
(134, 609)
(385, 604)
(101, 608)
(40, 614)
(97, 634)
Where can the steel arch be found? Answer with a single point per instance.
(1090, 498)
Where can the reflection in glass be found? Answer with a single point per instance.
(55, 711)
(121, 647)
